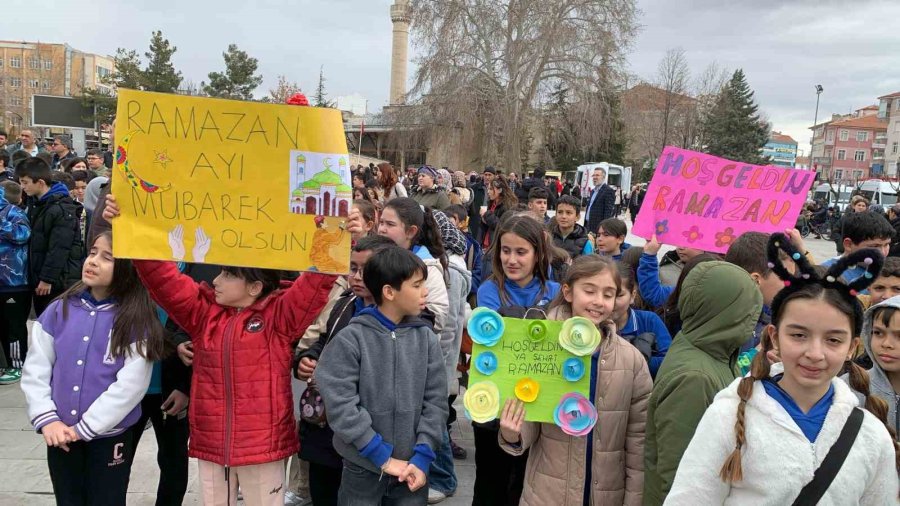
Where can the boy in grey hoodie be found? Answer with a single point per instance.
(881, 337)
(385, 388)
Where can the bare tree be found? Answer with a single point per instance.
(491, 65)
(707, 86)
(672, 76)
(282, 91)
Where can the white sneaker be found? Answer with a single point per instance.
(292, 499)
(435, 496)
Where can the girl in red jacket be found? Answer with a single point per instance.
(242, 330)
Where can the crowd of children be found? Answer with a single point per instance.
(719, 379)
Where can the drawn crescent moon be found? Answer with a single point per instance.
(133, 178)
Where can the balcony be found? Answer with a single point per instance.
(879, 144)
(823, 161)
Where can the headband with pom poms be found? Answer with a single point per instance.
(806, 273)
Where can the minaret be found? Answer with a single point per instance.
(399, 58)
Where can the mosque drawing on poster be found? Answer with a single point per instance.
(320, 184)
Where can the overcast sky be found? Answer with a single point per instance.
(784, 46)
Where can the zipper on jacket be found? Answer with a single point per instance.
(394, 392)
(897, 413)
(226, 363)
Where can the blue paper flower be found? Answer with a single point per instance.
(486, 363)
(485, 326)
(573, 369)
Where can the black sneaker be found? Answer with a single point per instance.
(459, 453)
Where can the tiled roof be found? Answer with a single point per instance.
(781, 138)
(866, 122)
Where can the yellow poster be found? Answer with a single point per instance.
(227, 182)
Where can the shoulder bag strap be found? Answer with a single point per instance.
(824, 475)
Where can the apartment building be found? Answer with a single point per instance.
(889, 111)
(781, 149)
(850, 148)
(36, 68)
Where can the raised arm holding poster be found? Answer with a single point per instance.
(701, 201)
(233, 183)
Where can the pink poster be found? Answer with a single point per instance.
(701, 201)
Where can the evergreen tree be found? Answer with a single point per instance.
(238, 81)
(160, 74)
(321, 98)
(733, 128)
(127, 74)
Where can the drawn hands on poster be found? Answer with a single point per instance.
(176, 242)
(202, 244)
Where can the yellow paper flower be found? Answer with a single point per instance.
(482, 401)
(579, 336)
(527, 389)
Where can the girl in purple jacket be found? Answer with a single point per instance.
(86, 372)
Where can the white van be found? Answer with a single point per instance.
(616, 175)
(879, 192)
(826, 192)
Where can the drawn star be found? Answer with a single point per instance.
(162, 158)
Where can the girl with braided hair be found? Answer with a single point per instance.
(798, 436)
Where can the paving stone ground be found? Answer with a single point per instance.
(23, 454)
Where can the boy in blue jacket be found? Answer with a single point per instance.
(14, 290)
(387, 348)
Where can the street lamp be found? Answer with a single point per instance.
(812, 143)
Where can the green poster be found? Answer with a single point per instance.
(528, 360)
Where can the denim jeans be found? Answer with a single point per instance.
(361, 487)
(441, 475)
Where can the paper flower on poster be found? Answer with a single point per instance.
(527, 389)
(482, 401)
(579, 336)
(573, 369)
(486, 363)
(575, 415)
(485, 326)
(537, 330)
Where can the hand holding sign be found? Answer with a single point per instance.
(511, 421)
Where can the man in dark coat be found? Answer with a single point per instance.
(479, 199)
(602, 202)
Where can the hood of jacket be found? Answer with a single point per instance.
(578, 232)
(719, 307)
(880, 384)
(458, 264)
(56, 189)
